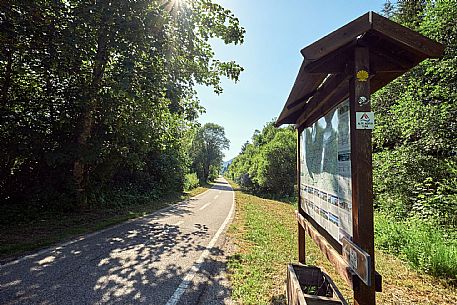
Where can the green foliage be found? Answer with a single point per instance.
(415, 134)
(425, 246)
(206, 151)
(191, 181)
(415, 160)
(99, 96)
(268, 164)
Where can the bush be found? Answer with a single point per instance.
(267, 165)
(425, 245)
(191, 181)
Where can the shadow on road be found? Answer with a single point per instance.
(221, 185)
(113, 267)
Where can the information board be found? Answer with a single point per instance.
(325, 172)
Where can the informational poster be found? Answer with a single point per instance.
(325, 172)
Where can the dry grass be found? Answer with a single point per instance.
(265, 232)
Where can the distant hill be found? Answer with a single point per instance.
(225, 165)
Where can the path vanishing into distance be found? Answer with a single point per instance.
(169, 257)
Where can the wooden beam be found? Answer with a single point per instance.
(304, 84)
(341, 93)
(301, 100)
(333, 63)
(362, 180)
(380, 63)
(323, 94)
(301, 231)
(338, 38)
(407, 37)
(389, 53)
(342, 268)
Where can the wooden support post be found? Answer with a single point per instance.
(362, 179)
(301, 230)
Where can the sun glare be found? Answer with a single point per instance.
(175, 5)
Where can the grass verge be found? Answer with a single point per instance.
(425, 246)
(265, 233)
(21, 233)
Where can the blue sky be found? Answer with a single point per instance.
(276, 31)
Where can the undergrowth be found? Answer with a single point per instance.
(425, 246)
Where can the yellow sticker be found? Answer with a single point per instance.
(362, 76)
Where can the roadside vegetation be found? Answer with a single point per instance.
(265, 234)
(98, 99)
(267, 165)
(414, 151)
(35, 229)
(99, 113)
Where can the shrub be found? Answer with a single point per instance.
(425, 245)
(191, 181)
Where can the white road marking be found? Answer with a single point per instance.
(174, 299)
(205, 206)
(215, 197)
(86, 236)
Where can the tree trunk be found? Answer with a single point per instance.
(80, 169)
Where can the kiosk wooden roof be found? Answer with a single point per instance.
(322, 81)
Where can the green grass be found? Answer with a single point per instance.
(265, 233)
(23, 231)
(266, 239)
(425, 246)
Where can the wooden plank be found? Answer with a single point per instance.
(341, 93)
(380, 63)
(301, 231)
(342, 268)
(294, 293)
(301, 100)
(337, 38)
(335, 62)
(407, 37)
(318, 300)
(331, 86)
(336, 291)
(362, 180)
(303, 85)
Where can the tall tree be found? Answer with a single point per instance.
(97, 94)
(415, 135)
(206, 153)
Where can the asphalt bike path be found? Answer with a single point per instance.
(164, 258)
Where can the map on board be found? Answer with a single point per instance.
(325, 172)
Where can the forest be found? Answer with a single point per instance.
(414, 150)
(98, 102)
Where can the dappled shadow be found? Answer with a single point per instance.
(221, 185)
(280, 299)
(129, 264)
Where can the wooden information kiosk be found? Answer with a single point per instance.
(330, 107)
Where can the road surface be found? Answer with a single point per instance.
(165, 258)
